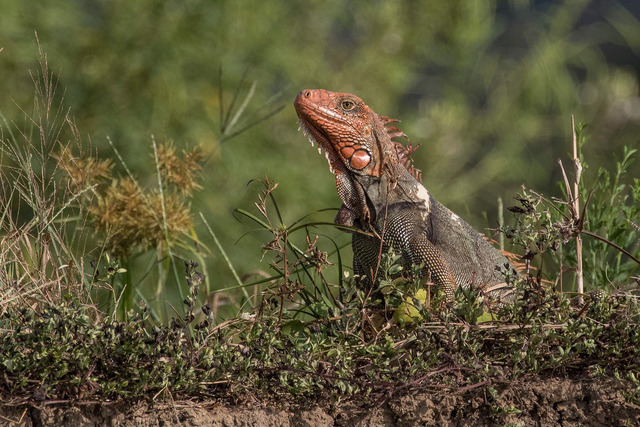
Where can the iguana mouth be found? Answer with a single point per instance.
(317, 136)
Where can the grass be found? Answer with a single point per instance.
(62, 353)
(89, 259)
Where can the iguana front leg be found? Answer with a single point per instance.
(408, 236)
(405, 233)
(435, 266)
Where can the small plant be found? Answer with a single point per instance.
(71, 221)
(609, 220)
(38, 257)
(299, 278)
(132, 220)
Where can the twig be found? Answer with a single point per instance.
(576, 207)
(472, 386)
(573, 203)
(610, 243)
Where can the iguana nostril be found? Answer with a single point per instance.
(307, 93)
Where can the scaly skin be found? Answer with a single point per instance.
(385, 201)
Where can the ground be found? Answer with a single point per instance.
(549, 402)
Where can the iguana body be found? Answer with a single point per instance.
(383, 199)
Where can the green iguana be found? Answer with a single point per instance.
(382, 198)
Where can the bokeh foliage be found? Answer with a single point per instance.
(487, 87)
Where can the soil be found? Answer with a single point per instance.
(550, 402)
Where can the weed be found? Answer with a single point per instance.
(609, 221)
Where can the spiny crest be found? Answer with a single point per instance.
(403, 151)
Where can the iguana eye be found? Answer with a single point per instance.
(347, 105)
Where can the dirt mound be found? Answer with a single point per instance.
(553, 401)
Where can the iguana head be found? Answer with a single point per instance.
(352, 135)
(358, 145)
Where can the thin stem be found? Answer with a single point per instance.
(576, 207)
(610, 243)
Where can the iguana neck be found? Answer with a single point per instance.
(359, 147)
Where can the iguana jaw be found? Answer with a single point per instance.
(316, 136)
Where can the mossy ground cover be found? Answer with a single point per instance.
(65, 352)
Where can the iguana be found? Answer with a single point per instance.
(382, 199)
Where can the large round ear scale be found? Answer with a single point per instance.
(360, 159)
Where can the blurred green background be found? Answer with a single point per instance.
(487, 88)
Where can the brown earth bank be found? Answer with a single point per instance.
(551, 402)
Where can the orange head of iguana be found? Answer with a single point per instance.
(353, 136)
(358, 145)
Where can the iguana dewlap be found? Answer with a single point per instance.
(384, 199)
